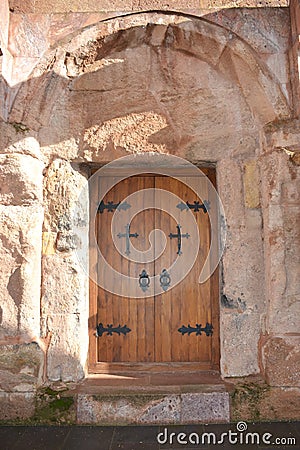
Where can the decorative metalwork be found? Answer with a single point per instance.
(144, 280)
(205, 206)
(109, 329)
(127, 235)
(111, 206)
(165, 279)
(208, 329)
(179, 237)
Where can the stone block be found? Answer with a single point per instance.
(167, 410)
(67, 352)
(48, 243)
(28, 35)
(290, 192)
(64, 189)
(251, 185)
(13, 140)
(240, 333)
(265, 29)
(147, 408)
(264, 96)
(254, 401)
(4, 12)
(64, 286)
(248, 247)
(206, 39)
(21, 367)
(26, 7)
(59, 6)
(284, 313)
(20, 180)
(281, 360)
(205, 407)
(24, 359)
(230, 188)
(16, 405)
(280, 404)
(20, 258)
(158, 35)
(113, 409)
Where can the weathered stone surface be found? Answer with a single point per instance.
(271, 40)
(192, 125)
(48, 243)
(67, 351)
(244, 237)
(283, 134)
(20, 249)
(20, 256)
(16, 138)
(64, 304)
(63, 187)
(273, 27)
(65, 316)
(167, 410)
(281, 360)
(126, 50)
(209, 407)
(20, 180)
(281, 219)
(21, 367)
(59, 6)
(253, 400)
(251, 185)
(281, 404)
(28, 35)
(110, 409)
(153, 408)
(63, 286)
(16, 405)
(240, 332)
(240, 314)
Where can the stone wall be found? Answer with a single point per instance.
(280, 345)
(212, 89)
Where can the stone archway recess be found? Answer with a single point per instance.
(48, 105)
(220, 48)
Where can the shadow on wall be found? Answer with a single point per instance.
(27, 362)
(162, 88)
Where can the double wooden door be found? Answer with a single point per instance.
(150, 310)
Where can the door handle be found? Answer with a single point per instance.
(144, 280)
(165, 279)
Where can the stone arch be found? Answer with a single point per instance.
(74, 66)
(209, 102)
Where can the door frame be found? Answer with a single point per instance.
(131, 368)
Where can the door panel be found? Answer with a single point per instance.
(188, 302)
(155, 320)
(137, 314)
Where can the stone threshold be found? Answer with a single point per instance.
(155, 398)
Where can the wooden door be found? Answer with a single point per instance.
(174, 325)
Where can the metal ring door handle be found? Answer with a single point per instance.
(144, 280)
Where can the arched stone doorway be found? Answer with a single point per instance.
(165, 83)
(154, 83)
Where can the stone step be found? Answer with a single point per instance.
(123, 405)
